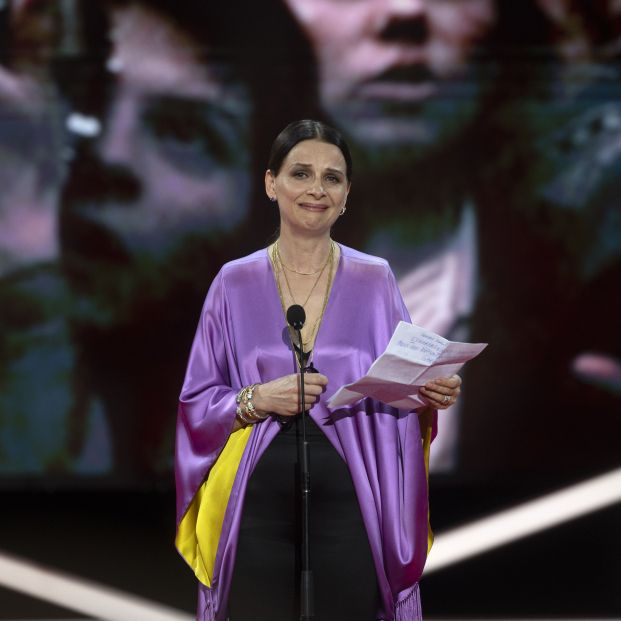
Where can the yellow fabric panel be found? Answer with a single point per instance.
(199, 532)
(426, 427)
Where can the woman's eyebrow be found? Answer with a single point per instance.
(305, 165)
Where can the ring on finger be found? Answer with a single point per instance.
(447, 399)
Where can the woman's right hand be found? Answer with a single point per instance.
(282, 396)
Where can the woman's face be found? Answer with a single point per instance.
(171, 171)
(174, 127)
(385, 64)
(311, 187)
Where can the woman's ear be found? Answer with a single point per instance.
(270, 185)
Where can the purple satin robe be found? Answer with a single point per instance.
(240, 341)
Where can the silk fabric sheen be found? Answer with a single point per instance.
(241, 340)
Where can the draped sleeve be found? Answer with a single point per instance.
(386, 450)
(428, 418)
(207, 454)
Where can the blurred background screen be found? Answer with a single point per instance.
(487, 169)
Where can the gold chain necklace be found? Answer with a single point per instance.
(323, 269)
(326, 296)
(320, 269)
(275, 262)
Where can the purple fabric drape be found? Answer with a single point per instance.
(241, 340)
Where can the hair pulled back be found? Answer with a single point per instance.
(306, 129)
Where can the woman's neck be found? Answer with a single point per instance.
(304, 254)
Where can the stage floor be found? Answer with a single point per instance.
(122, 543)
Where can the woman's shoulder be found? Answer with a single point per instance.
(367, 262)
(240, 274)
(371, 276)
(243, 272)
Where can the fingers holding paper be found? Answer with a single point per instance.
(397, 376)
(442, 392)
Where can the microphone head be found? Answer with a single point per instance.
(296, 316)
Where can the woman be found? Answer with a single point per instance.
(241, 390)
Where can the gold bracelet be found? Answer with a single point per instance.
(250, 392)
(250, 409)
(242, 417)
(241, 395)
(246, 411)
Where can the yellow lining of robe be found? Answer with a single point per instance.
(200, 528)
(199, 531)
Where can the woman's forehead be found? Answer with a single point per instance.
(317, 153)
(175, 63)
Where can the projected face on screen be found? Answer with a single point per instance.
(396, 71)
(170, 168)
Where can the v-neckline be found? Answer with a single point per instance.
(335, 279)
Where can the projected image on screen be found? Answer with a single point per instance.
(145, 214)
(487, 151)
(35, 354)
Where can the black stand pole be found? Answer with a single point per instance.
(306, 578)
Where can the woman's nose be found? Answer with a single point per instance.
(118, 146)
(317, 189)
(403, 21)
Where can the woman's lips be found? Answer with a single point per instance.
(313, 206)
(403, 83)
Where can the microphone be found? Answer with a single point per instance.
(296, 316)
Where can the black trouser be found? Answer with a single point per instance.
(266, 580)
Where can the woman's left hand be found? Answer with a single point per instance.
(442, 392)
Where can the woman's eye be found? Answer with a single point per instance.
(333, 179)
(193, 134)
(300, 174)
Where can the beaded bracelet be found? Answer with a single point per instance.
(242, 417)
(250, 409)
(246, 410)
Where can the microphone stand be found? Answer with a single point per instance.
(306, 578)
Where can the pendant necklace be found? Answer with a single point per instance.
(277, 262)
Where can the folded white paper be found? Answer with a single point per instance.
(413, 357)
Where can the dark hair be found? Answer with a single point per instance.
(307, 129)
